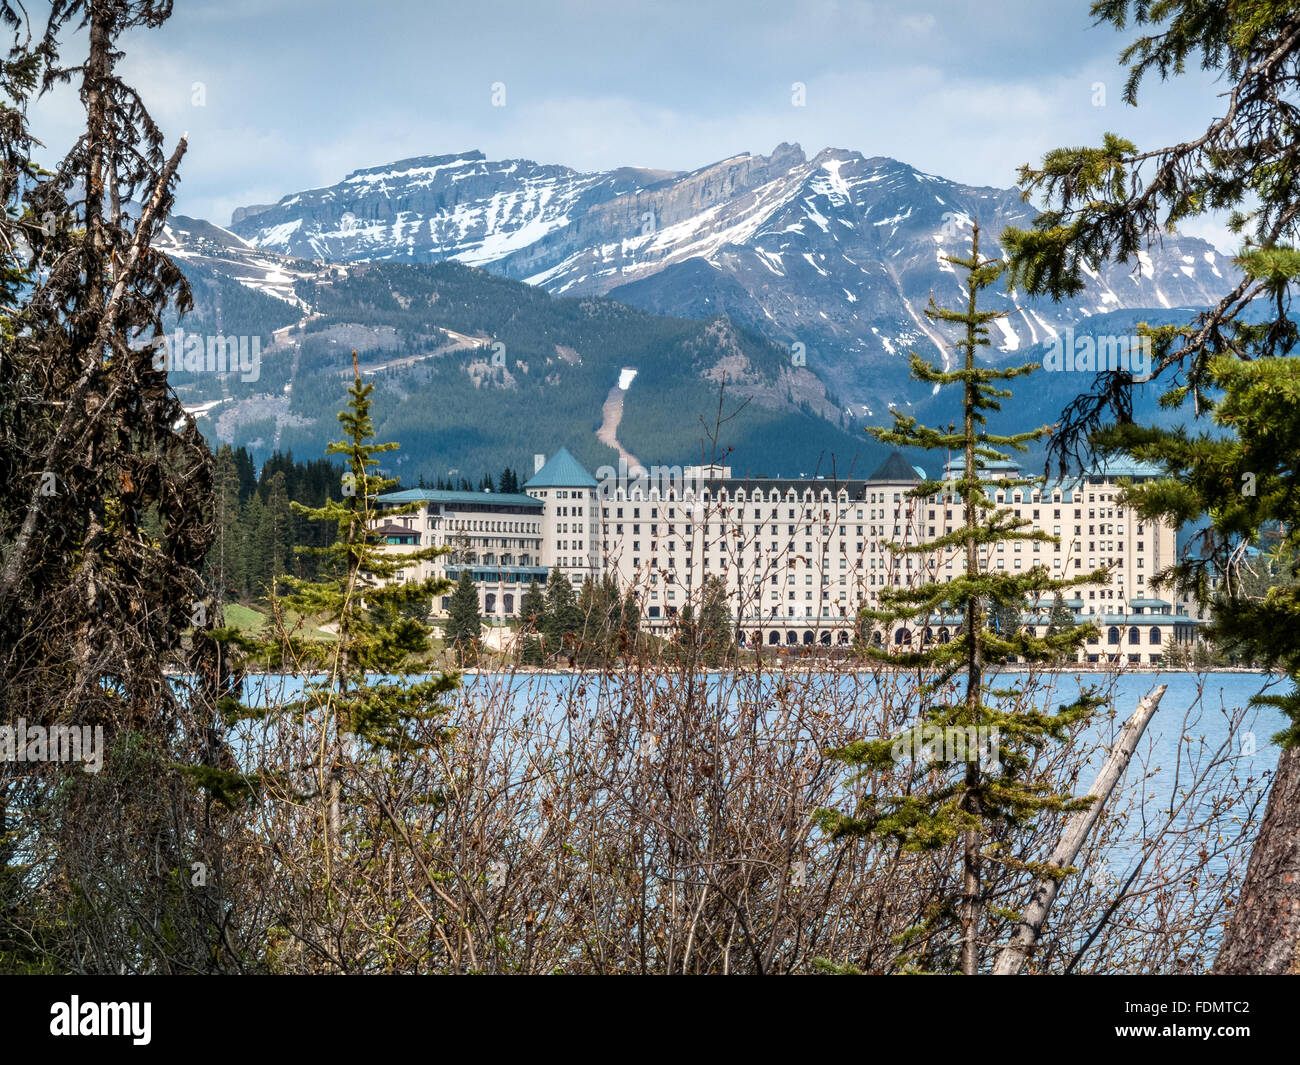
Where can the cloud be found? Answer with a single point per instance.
(300, 92)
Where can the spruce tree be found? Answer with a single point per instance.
(277, 513)
(1061, 618)
(714, 632)
(463, 629)
(1006, 617)
(255, 538)
(1232, 364)
(532, 610)
(562, 621)
(225, 559)
(357, 596)
(532, 620)
(106, 501)
(958, 802)
(629, 627)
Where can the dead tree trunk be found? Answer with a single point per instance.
(1263, 934)
(1017, 951)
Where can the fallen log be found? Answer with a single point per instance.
(1014, 955)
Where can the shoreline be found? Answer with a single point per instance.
(787, 667)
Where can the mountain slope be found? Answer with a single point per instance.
(474, 371)
(838, 253)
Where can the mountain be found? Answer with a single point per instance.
(833, 257)
(474, 372)
(507, 307)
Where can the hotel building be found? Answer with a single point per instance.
(799, 557)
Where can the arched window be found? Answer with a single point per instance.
(1154, 638)
(807, 638)
(1134, 636)
(490, 603)
(791, 638)
(774, 637)
(508, 602)
(1112, 636)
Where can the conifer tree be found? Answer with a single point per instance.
(1006, 617)
(714, 632)
(1233, 364)
(562, 621)
(225, 559)
(255, 548)
(358, 597)
(629, 623)
(532, 622)
(106, 503)
(464, 626)
(532, 610)
(1061, 618)
(959, 801)
(277, 514)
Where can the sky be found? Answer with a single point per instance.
(283, 95)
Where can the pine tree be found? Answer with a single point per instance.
(1006, 618)
(256, 548)
(532, 610)
(357, 594)
(532, 614)
(715, 634)
(961, 800)
(1231, 364)
(464, 627)
(358, 597)
(277, 515)
(1062, 617)
(629, 623)
(225, 559)
(106, 500)
(562, 622)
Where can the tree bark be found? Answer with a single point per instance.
(1263, 933)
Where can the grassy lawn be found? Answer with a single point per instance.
(251, 621)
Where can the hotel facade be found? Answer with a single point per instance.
(799, 557)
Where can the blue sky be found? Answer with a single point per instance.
(297, 93)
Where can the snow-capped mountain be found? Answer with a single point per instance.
(839, 253)
(429, 209)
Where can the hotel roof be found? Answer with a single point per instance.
(442, 495)
(896, 469)
(562, 470)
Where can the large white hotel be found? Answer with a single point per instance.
(799, 557)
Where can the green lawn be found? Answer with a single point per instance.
(251, 621)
